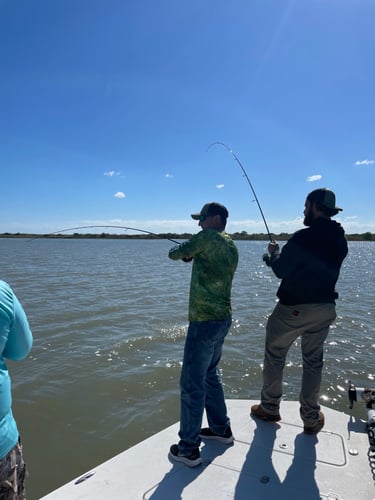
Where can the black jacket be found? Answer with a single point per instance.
(309, 263)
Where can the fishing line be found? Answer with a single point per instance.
(248, 180)
(117, 227)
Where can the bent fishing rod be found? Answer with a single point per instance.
(248, 180)
(107, 225)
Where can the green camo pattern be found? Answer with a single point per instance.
(215, 258)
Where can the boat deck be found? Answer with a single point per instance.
(266, 461)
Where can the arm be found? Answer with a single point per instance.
(284, 262)
(19, 339)
(187, 250)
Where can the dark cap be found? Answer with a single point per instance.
(324, 197)
(210, 209)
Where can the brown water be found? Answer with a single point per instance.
(109, 319)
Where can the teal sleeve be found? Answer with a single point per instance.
(15, 334)
(15, 343)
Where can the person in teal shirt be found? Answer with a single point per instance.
(15, 344)
(215, 259)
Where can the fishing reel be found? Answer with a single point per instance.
(367, 395)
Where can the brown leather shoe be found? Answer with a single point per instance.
(318, 426)
(259, 412)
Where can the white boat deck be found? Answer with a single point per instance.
(267, 461)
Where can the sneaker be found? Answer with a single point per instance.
(259, 412)
(226, 438)
(191, 460)
(318, 426)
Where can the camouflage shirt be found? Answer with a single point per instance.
(215, 259)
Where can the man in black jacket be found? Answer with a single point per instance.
(309, 266)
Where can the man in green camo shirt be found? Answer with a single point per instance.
(215, 259)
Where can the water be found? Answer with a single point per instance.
(109, 318)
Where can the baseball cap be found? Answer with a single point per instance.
(210, 209)
(324, 197)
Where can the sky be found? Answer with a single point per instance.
(108, 109)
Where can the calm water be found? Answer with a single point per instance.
(109, 318)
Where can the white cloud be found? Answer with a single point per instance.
(111, 173)
(313, 178)
(168, 176)
(219, 186)
(364, 162)
(119, 194)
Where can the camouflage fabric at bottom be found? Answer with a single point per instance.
(12, 475)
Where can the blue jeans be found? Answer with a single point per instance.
(200, 382)
(311, 322)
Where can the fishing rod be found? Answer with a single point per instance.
(107, 225)
(248, 180)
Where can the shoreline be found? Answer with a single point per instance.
(183, 236)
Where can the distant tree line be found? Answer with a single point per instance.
(243, 235)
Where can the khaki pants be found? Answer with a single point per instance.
(12, 475)
(310, 322)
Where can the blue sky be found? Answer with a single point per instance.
(108, 107)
